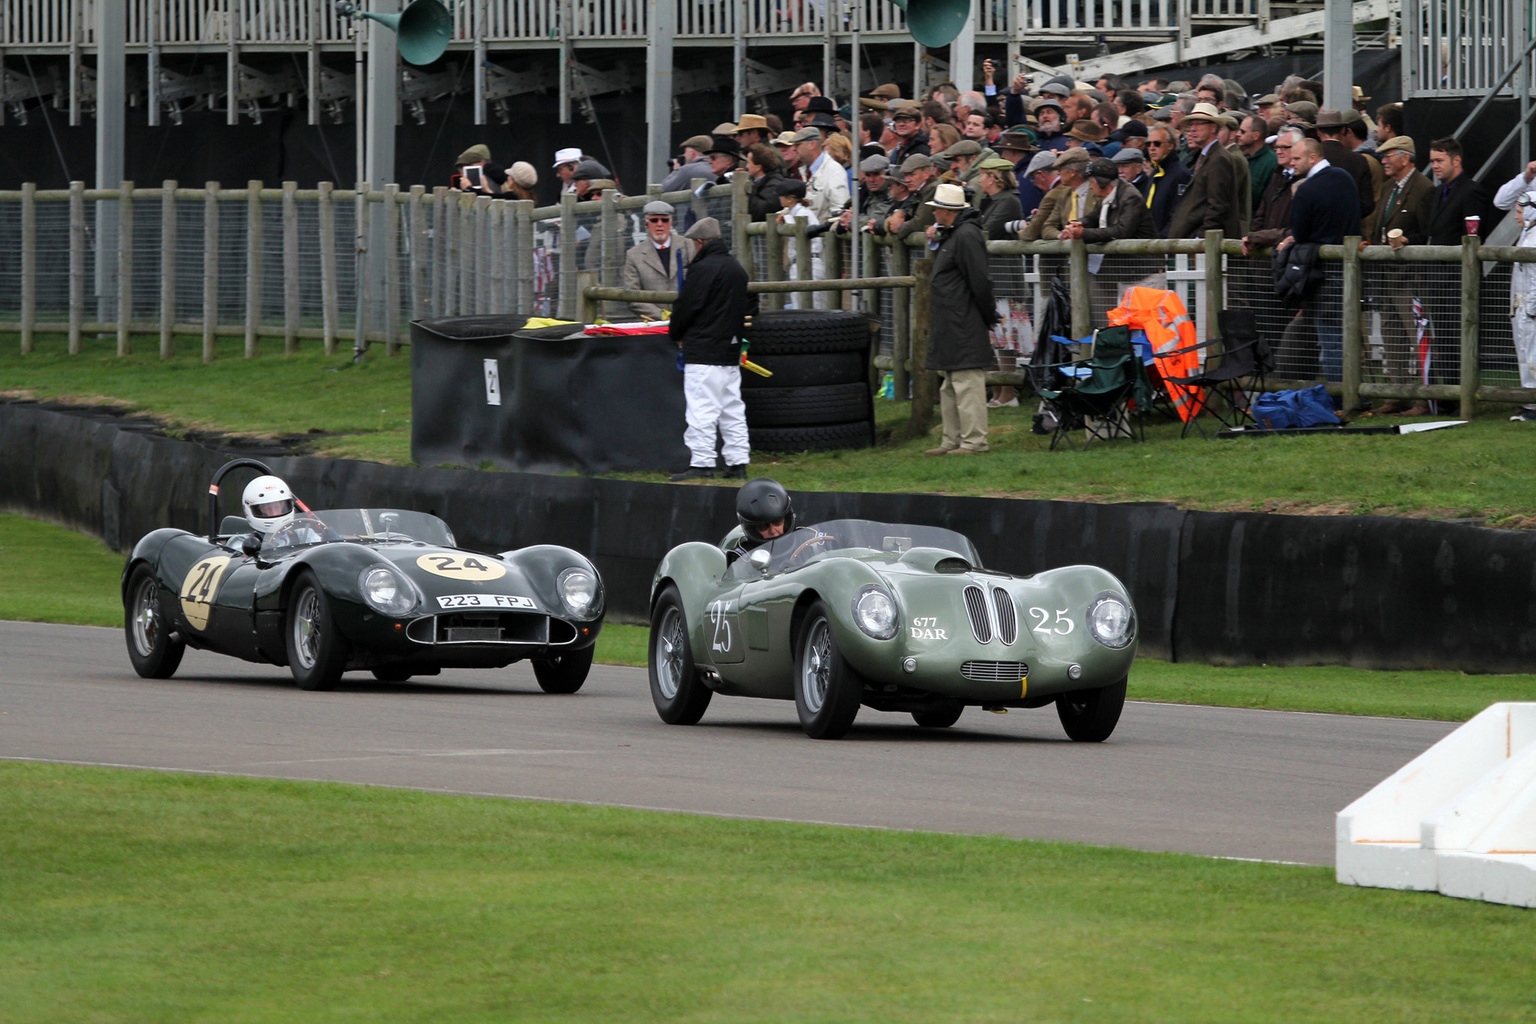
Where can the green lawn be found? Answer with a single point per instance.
(49, 574)
(363, 411)
(136, 896)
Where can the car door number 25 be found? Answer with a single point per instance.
(720, 640)
(1061, 625)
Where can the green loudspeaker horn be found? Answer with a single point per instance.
(423, 28)
(935, 22)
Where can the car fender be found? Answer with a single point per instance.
(837, 582)
(147, 551)
(696, 569)
(541, 565)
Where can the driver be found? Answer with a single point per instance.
(765, 511)
(269, 508)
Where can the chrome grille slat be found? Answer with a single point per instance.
(994, 671)
(1007, 621)
(976, 606)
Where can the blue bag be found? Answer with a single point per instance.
(1309, 407)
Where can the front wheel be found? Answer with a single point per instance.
(317, 652)
(150, 647)
(827, 689)
(1089, 716)
(676, 690)
(564, 674)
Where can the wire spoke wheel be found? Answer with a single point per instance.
(677, 691)
(306, 627)
(827, 689)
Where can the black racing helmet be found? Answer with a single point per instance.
(763, 501)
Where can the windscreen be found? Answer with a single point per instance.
(845, 535)
(378, 525)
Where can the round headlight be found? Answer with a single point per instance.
(1112, 621)
(387, 592)
(578, 592)
(875, 612)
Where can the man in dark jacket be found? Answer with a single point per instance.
(962, 312)
(1403, 210)
(1325, 210)
(1169, 180)
(1331, 127)
(712, 308)
(1212, 200)
(1456, 198)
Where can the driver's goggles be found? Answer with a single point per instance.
(273, 509)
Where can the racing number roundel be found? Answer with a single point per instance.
(200, 588)
(475, 568)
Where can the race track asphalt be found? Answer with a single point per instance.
(1204, 780)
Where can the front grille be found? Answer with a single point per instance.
(1007, 621)
(976, 605)
(995, 671)
(485, 627)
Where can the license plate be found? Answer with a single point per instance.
(484, 601)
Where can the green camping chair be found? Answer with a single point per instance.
(1096, 401)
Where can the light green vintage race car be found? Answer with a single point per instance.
(852, 613)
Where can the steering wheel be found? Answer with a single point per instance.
(820, 538)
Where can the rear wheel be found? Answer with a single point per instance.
(147, 629)
(676, 690)
(564, 674)
(939, 716)
(317, 653)
(1089, 716)
(827, 689)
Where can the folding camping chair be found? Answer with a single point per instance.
(1244, 357)
(1095, 398)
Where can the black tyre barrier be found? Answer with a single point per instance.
(813, 439)
(798, 371)
(804, 331)
(1368, 591)
(817, 405)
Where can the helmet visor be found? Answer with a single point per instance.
(272, 509)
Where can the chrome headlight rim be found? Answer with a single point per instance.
(593, 605)
(872, 593)
(401, 603)
(1126, 635)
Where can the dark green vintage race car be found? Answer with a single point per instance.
(384, 590)
(894, 617)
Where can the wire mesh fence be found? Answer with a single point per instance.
(332, 265)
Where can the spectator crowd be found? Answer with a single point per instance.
(1102, 161)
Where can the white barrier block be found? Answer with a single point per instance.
(1460, 818)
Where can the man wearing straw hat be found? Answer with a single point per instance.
(962, 312)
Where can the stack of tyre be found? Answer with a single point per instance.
(819, 397)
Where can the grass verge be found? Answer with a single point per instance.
(133, 896)
(50, 574)
(363, 411)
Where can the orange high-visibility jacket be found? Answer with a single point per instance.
(1169, 328)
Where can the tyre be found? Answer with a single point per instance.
(676, 690)
(940, 715)
(827, 689)
(1089, 716)
(564, 674)
(813, 439)
(317, 653)
(817, 405)
(148, 629)
(804, 331)
(800, 371)
(392, 674)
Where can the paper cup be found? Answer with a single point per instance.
(1472, 223)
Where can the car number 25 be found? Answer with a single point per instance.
(1061, 625)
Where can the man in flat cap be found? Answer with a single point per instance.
(475, 173)
(880, 96)
(1405, 204)
(875, 202)
(1072, 204)
(1212, 199)
(713, 307)
(965, 158)
(907, 125)
(657, 262)
(695, 165)
(921, 177)
(826, 182)
(1338, 150)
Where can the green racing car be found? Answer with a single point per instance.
(903, 618)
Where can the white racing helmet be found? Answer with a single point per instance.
(268, 504)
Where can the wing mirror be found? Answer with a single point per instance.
(250, 545)
(759, 559)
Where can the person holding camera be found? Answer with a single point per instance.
(475, 173)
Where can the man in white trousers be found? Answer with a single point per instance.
(713, 307)
(1519, 194)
